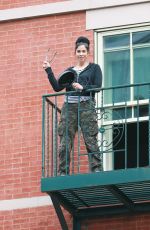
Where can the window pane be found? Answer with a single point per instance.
(122, 40)
(141, 72)
(117, 113)
(141, 37)
(117, 73)
(141, 111)
(122, 113)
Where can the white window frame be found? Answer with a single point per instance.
(99, 58)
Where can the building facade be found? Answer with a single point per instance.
(120, 42)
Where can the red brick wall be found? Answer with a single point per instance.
(22, 83)
(43, 218)
(23, 45)
(7, 4)
(122, 222)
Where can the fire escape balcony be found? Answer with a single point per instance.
(124, 142)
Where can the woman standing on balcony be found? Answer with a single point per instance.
(87, 76)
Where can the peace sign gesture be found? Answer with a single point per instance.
(48, 61)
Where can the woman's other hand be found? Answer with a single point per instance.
(77, 86)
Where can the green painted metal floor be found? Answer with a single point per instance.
(112, 192)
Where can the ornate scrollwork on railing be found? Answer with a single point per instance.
(111, 131)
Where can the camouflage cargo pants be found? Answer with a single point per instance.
(81, 114)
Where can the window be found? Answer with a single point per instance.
(126, 61)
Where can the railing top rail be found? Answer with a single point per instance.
(96, 89)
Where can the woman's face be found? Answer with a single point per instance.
(82, 54)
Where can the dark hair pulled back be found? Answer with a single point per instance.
(82, 41)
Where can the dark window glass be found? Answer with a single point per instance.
(141, 37)
(115, 41)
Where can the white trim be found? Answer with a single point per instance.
(123, 29)
(117, 16)
(33, 202)
(61, 7)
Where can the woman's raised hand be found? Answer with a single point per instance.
(46, 64)
(48, 61)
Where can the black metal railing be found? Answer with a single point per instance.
(124, 131)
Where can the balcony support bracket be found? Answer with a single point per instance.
(76, 224)
(121, 196)
(59, 212)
